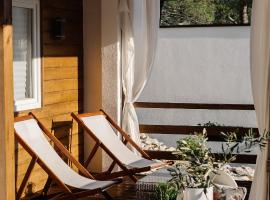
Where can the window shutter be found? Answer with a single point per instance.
(22, 20)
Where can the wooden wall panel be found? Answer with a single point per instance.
(62, 83)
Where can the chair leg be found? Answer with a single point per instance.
(47, 186)
(107, 196)
(26, 177)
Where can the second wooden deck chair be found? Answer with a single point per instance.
(30, 133)
(100, 127)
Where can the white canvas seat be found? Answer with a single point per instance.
(100, 126)
(103, 130)
(30, 133)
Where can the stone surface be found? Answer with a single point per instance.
(149, 143)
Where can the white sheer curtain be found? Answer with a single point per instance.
(260, 75)
(139, 21)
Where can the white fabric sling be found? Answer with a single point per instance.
(33, 136)
(103, 130)
(260, 76)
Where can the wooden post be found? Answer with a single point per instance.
(7, 163)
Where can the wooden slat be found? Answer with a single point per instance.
(61, 85)
(250, 159)
(71, 16)
(47, 121)
(61, 73)
(69, 4)
(70, 26)
(49, 111)
(57, 109)
(194, 106)
(72, 33)
(64, 61)
(7, 171)
(70, 39)
(66, 117)
(50, 50)
(213, 132)
(62, 96)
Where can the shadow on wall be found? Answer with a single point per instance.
(62, 81)
(62, 130)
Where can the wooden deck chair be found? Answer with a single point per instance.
(30, 133)
(100, 127)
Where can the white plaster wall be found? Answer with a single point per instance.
(92, 70)
(102, 87)
(111, 76)
(200, 65)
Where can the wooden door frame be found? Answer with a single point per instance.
(7, 162)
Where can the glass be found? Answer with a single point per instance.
(22, 53)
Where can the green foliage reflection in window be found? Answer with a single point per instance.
(205, 12)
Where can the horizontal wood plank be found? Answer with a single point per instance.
(61, 85)
(54, 12)
(47, 121)
(50, 111)
(62, 96)
(213, 132)
(194, 106)
(50, 50)
(167, 155)
(56, 73)
(70, 39)
(68, 5)
(62, 61)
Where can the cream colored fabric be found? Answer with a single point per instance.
(32, 135)
(105, 133)
(139, 22)
(260, 74)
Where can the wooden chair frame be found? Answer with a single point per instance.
(68, 192)
(98, 144)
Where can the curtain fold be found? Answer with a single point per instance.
(260, 76)
(139, 23)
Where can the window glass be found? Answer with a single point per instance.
(22, 53)
(26, 54)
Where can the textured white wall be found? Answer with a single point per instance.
(101, 67)
(111, 76)
(200, 65)
(92, 70)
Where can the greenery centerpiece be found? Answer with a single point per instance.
(205, 12)
(198, 166)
